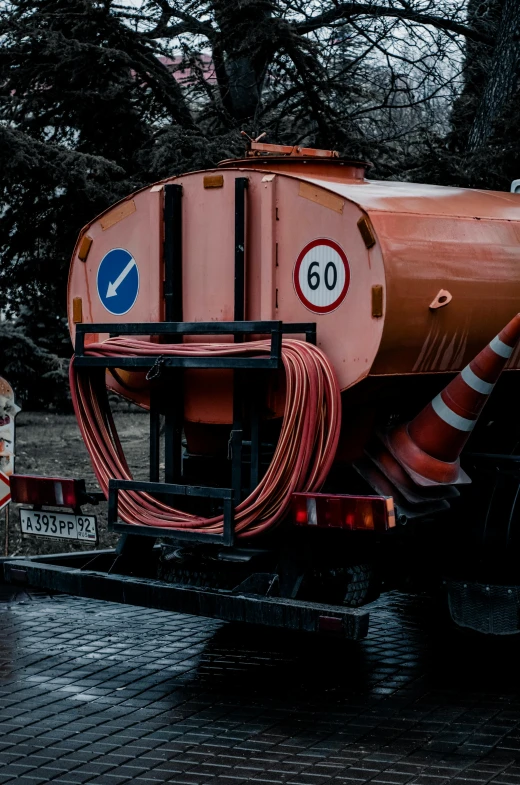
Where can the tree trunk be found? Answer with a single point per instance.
(501, 81)
(242, 54)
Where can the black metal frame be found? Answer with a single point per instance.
(177, 329)
(172, 252)
(167, 489)
(241, 184)
(173, 410)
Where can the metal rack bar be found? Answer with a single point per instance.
(241, 184)
(304, 328)
(173, 309)
(237, 436)
(237, 432)
(155, 426)
(169, 489)
(173, 253)
(193, 328)
(254, 419)
(272, 328)
(174, 421)
(250, 363)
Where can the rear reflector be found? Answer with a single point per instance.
(354, 513)
(55, 491)
(330, 624)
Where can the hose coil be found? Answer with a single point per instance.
(302, 459)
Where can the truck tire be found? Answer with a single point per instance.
(360, 588)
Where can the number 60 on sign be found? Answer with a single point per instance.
(322, 275)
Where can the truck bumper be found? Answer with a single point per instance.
(69, 573)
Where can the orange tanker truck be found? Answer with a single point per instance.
(330, 366)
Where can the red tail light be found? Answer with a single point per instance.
(54, 491)
(354, 513)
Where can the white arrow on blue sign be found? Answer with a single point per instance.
(118, 281)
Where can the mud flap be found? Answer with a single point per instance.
(492, 610)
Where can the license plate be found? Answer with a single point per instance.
(59, 525)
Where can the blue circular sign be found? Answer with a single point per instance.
(118, 281)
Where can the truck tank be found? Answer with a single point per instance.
(405, 281)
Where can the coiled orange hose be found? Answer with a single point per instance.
(302, 459)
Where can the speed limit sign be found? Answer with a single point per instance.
(322, 275)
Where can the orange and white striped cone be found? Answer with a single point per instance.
(428, 448)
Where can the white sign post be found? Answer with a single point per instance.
(8, 412)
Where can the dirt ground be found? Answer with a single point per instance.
(51, 445)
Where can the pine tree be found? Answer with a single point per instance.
(81, 97)
(89, 111)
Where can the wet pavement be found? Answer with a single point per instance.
(93, 692)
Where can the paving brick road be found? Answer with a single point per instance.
(92, 692)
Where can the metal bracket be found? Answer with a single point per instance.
(178, 329)
(167, 366)
(169, 489)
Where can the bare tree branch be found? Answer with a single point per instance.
(347, 11)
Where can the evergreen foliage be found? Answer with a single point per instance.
(90, 110)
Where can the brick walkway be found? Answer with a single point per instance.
(92, 692)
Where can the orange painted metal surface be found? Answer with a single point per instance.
(432, 238)
(427, 239)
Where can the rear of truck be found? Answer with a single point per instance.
(304, 341)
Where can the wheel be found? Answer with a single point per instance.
(360, 587)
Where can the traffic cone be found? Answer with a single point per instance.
(429, 446)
